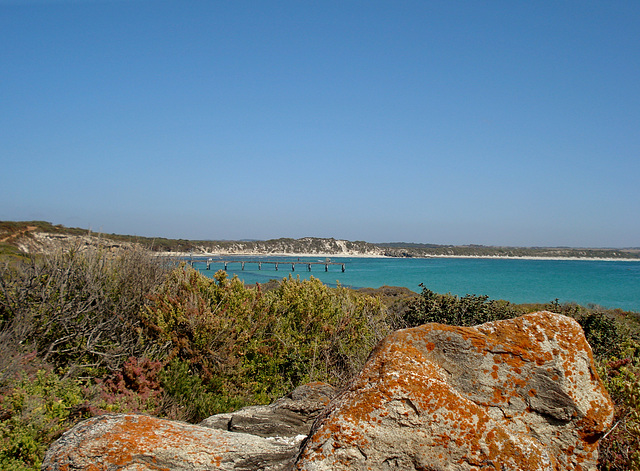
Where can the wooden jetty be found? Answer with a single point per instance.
(226, 263)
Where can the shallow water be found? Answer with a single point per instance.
(612, 284)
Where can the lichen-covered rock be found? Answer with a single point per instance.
(130, 442)
(519, 394)
(289, 416)
(254, 438)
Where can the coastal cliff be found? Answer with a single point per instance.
(305, 245)
(41, 237)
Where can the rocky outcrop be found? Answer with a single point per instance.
(520, 394)
(137, 442)
(290, 416)
(254, 438)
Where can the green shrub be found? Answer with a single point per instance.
(258, 346)
(602, 333)
(205, 323)
(35, 411)
(449, 309)
(310, 332)
(187, 398)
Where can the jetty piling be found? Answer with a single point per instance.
(276, 264)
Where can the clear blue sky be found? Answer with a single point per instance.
(497, 123)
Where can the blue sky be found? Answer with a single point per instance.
(462, 122)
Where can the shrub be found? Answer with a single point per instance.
(620, 447)
(449, 309)
(79, 310)
(205, 323)
(135, 388)
(310, 332)
(257, 346)
(36, 410)
(187, 398)
(602, 333)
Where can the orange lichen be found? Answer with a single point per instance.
(404, 372)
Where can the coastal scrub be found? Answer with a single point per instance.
(88, 331)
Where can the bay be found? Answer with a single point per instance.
(610, 284)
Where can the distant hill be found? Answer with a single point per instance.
(24, 237)
(426, 250)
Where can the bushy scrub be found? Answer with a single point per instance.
(89, 332)
(206, 324)
(79, 309)
(257, 346)
(187, 398)
(603, 334)
(450, 309)
(310, 332)
(620, 448)
(35, 410)
(66, 319)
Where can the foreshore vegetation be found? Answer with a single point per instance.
(86, 331)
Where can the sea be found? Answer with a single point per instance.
(609, 284)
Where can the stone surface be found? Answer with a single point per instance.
(520, 394)
(254, 438)
(289, 416)
(130, 442)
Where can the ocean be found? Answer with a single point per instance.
(611, 284)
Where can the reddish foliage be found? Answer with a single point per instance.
(614, 366)
(137, 383)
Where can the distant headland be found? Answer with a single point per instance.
(24, 237)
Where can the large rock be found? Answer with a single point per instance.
(290, 416)
(520, 394)
(514, 395)
(130, 442)
(254, 438)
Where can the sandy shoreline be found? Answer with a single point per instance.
(274, 254)
(361, 255)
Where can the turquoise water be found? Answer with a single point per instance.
(604, 283)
